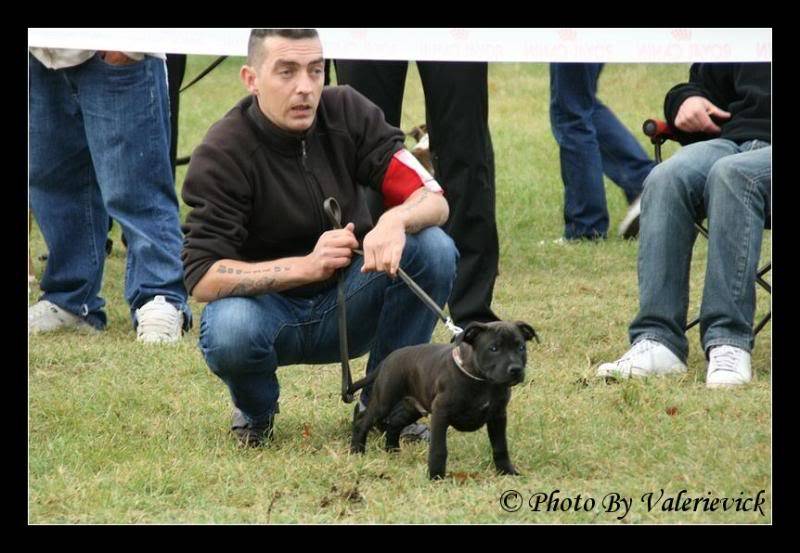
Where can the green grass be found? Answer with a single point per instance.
(122, 432)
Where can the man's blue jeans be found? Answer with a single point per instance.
(591, 141)
(245, 339)
(731, 184)
(99, 146)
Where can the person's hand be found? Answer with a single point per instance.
(695, 115)
(116, 58)
(333, 251)
(383, 246)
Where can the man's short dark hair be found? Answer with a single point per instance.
(255, 46)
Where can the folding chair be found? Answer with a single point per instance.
(659, 132)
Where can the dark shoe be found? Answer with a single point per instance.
(416, 432)
(629, 227)
(594, 237)
(249, 434)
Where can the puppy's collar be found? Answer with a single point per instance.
(460, 364)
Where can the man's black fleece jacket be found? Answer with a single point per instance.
(256, 191)
(743, 89)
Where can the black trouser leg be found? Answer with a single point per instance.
(457, 107)
(176, 68)
(457, 115)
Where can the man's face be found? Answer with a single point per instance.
(288, 82)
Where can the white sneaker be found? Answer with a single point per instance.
(728, 366)
(629, 227)
(45, 316)
(158, 321)
(645, 358)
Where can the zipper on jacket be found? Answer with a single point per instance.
(309, 176)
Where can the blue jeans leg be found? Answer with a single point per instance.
(245, 340)
(100, 147)
(240, 338)
(672, 201)
(736, 196)
(573, 89)
(65, 197)
(126, 116)
(624, 160)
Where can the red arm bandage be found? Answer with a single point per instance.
(405, 175)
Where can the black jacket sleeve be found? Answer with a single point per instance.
(220, 197)
(679, 94)
(702, 82)
(376, 140)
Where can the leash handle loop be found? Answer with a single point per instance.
(333, 211)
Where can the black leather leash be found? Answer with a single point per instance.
(334, 213)
(205, 72)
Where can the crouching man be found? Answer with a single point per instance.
(260, 250)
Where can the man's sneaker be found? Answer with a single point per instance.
(45, 316)
(249, 434)
(158, 321)
(728, 366)
(645, 358)
(629, 227)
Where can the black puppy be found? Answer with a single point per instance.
(464, 385)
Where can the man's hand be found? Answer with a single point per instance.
(333, 251)
(383, 245)
(116, 58)
(695, 115)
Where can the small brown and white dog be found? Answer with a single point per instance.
(422, 150)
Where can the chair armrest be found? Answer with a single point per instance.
(658, 130)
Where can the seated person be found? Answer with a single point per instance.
(258, 246)
(727, 179)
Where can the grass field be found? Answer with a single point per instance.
(125, 433)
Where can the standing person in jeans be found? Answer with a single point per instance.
(457, 117)
(592, 141)
(725, 172)
(260, 250)
(99, 146)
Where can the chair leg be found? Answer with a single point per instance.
(763, 322)
(761, 272)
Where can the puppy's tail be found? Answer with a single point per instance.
(366, 381)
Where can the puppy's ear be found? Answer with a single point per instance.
(470, 333)
(527, 331)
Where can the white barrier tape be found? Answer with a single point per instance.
(662, 45)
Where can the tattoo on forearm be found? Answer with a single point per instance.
(250, 287)
(248, 284)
